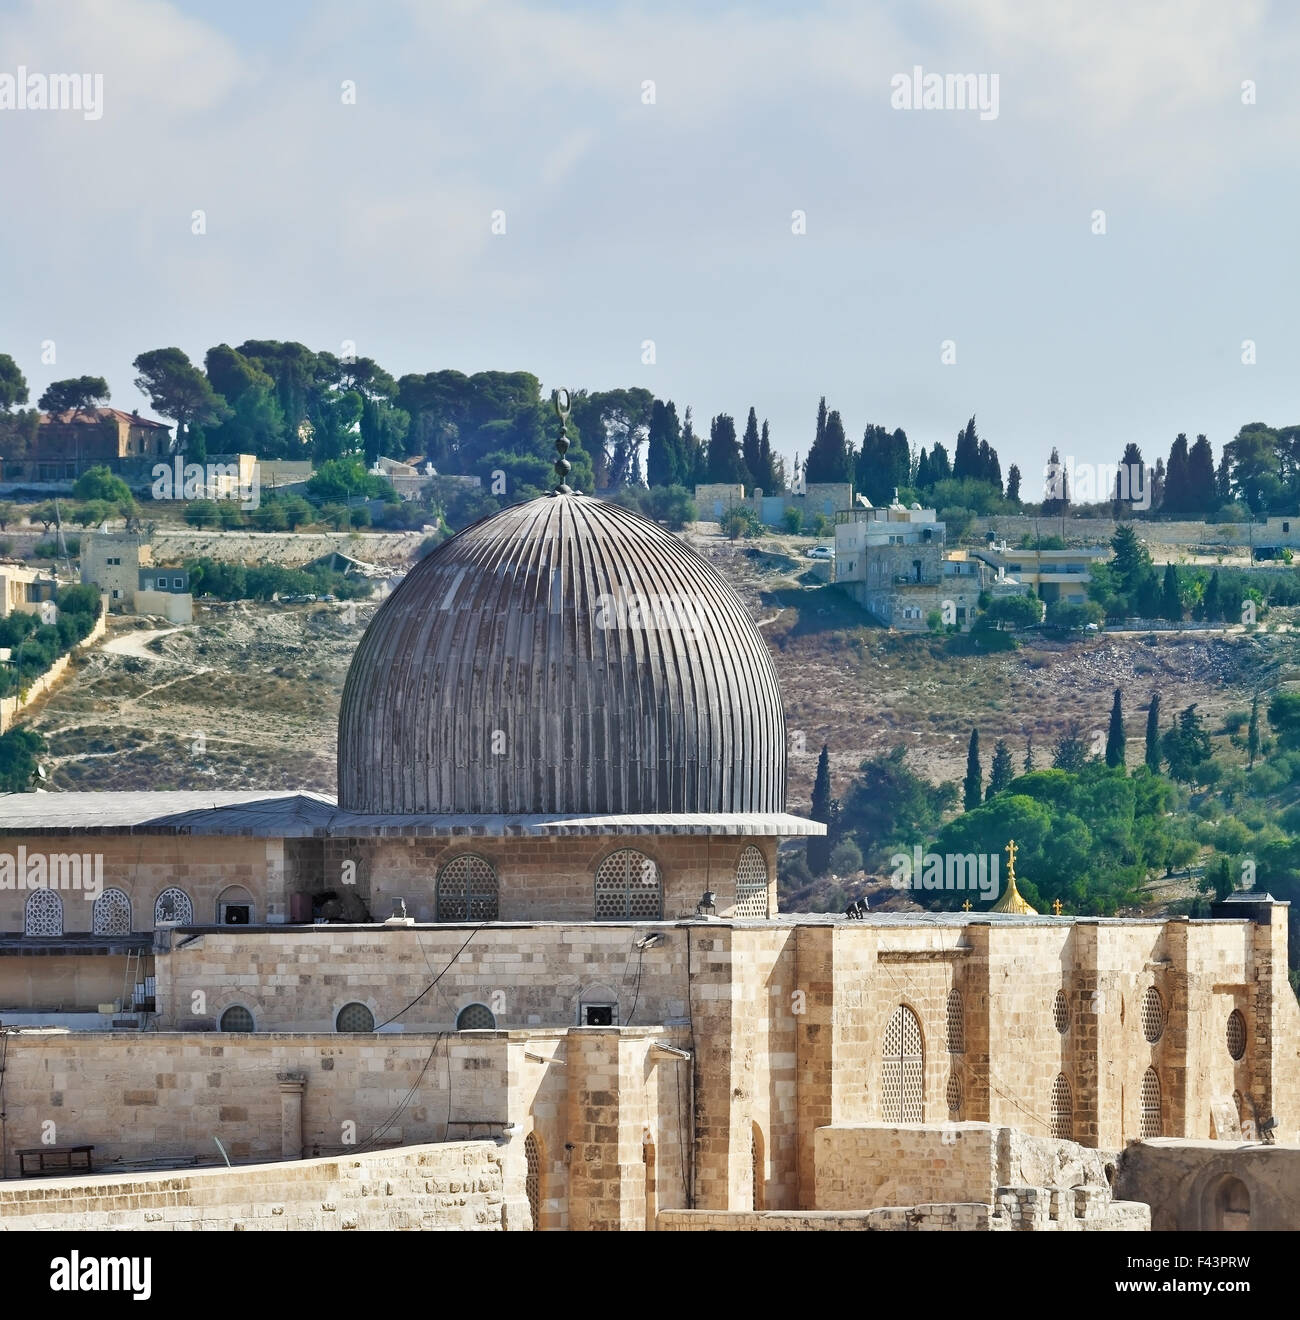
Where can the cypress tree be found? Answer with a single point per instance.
(1177, 492)
(923, 478)
(1115, 734)
(940, 467)
(1029, 755)
(725, 463)
(1013, 483)
(665, 463)
(1211, 604)
(819, 849)
(966, 459)
(1171, 603)
(750, 454)
(1252, 732)
(974, 786)
(1001, 772)
(766, 477)
(1200, 477)
(1153, 734)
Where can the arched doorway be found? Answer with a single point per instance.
(902, 1071)
(1230, 1209)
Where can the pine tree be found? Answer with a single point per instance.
(974, 787)
(1252, 731)
(819, 848)
(1071, 752)
(1153, 734)
(1001, 772)
(1171, 601)
(1029, 755)
(1013, 484)
(749, 452)
(1115, 734)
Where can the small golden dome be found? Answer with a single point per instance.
(1011, 900)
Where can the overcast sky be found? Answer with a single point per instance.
(672, 221)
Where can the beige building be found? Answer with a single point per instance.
(1054, 576)
(27, 590)
(121, 565)
(535, 948)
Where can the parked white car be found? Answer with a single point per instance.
(821, 552)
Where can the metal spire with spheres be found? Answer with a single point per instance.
(563, 467)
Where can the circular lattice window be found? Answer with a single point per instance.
(355, 1017)
(1153, 1015)
(1236, 1034)
(954, 1095)
(1061, 1012)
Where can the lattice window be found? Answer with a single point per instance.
(1153, 1015)
(533, 1178)
(43, 914)
(628, 887)
(467, 890)
(476, 1017)
(1236, 1034)
(954, 1097)
(903, 1069)
(756, 1162)
(112, 913)
(751, 884)
(236, 1018)
(1062, 1109)
(174, 905)
(1061, 1012)
(1151, 1124)
(956, 1024)
(354, 1017)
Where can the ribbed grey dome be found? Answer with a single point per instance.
(497, 678)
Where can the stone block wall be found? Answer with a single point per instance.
(298, 978)
(458, 1186)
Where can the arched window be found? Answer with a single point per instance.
(758, 1166)
(476, 1017)
(628, 887)
(533, 1178)
(354, 1017)
(467, 890)
(956, 1024)
(902, 1090)
(751, 884)
(1236, 1034)
(1062, 1109)
(1153, 1015)
(111, 914)
(236, 1018)
(235, 907)
(43, 914)
(1151, 1123)
(173, 905)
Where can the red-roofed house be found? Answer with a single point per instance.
(68, 443)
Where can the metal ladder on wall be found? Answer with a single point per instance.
(137, 992)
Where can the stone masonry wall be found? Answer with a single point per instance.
(457, 1186)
